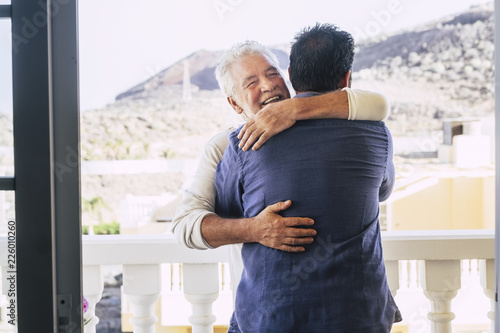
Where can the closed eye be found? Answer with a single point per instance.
(272, 72)
(251, 84)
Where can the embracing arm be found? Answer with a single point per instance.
(352, 104)
(268, 228)
(196, 226)
(367, 105)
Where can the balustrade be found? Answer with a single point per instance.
(92, 289)
(440, 254)
(487, 270)
(431, 259)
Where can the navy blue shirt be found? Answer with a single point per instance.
(335, 172)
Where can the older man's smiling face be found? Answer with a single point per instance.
(258, 83)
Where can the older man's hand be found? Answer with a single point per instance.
(273, 230)
(271, 120)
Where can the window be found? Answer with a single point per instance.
(149, 102)
(6, 134)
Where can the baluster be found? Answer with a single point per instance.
(412, 274)
(201, 289)
(403, 274)
(223, 277)
(93, 286)
(487, 272)
(441, 282)
(141, 284)
(392, 272)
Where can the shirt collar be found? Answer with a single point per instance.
(306, 94)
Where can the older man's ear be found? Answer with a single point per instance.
(234, 105)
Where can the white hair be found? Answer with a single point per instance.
(223, 71)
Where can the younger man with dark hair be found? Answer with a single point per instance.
(335, 172)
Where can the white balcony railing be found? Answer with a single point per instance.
(439, 254)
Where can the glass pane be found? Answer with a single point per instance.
(6, 134)
(441, 90)
(6, 137)
(141, 139)
(7, 209)
(139, 113)
(149, 104)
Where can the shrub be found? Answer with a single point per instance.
(112, 228)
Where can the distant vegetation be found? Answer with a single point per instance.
(112, 228)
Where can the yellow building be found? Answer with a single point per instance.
(454, 191)
(441, 198)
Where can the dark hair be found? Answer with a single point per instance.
(320, 57)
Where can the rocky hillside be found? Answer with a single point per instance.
(159, 124)
(442, 69)
(201, 66)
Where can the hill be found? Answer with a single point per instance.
(442, 69)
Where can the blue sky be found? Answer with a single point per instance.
(123, 42)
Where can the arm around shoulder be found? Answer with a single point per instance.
(366, 105)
